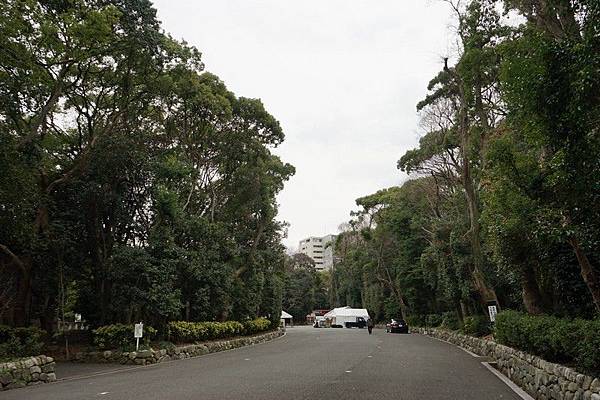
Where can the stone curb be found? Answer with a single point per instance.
(151, 356)
(27, 371)
(543, 380)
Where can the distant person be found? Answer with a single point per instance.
(370, 325)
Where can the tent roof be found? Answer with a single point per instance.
(285, 315)
(348, 312)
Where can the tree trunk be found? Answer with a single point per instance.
(23, 298)
(590, 276)
(532, 298)
(486, 293)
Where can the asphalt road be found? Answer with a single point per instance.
(307, 363)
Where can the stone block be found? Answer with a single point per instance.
(35, 369)
(48, 367)
(51, 377)
(35, 376)
(595, 386)
(595, 396)
(145, 354)
(5, 378)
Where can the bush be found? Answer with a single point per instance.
(450, 321)
(256, 325)
(20, 342)
(476, 325)
(433, 320)
(415, 320)
(189, 332)
(120, 336)
(559, 340)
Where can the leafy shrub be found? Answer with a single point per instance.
(476, 325)
(188, 332)
(21, 342)
(120, 336)
(433, 320)
(450, 321)
(415, 320)
(256, 325)
(554, 339)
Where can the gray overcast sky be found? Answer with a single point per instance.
(343, 78)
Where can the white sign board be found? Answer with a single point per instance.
(139, 329)
(77, 317)
(492, 311)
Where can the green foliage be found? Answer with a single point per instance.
(476, 325)
(120, 336)
(189, 332)
(155, 199)
(302, 286)
(256, 326)
(567, 341)
(20, 342)
(450, 321)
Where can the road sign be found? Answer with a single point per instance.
(139, 330)
(492, 311)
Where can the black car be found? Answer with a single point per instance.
(359, 323)
(397, 326)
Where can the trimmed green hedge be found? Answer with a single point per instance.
(120, 336)
(566, 341)
(189, 332)
(477, 325)
(20, 342)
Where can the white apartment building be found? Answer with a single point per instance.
(320, 249)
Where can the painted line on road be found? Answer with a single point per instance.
(520, 392)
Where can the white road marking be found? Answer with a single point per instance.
(103, 393)
(520, 392)
(348, 371)
(369, 356)
(246, 359)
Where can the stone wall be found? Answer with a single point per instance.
(26, 371)
(541, 379)
(144, 357)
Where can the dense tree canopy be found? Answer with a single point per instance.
(132, 181)
(503, 205)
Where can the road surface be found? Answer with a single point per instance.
(307, 363)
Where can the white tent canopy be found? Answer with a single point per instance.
(285, 315)
(348, 312)
(341, 315)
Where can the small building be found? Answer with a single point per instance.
(286, 319)
(316, 315)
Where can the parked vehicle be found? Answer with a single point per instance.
(397, 326)
(359, 322)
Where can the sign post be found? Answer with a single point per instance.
(493, 310)
(137, 334)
